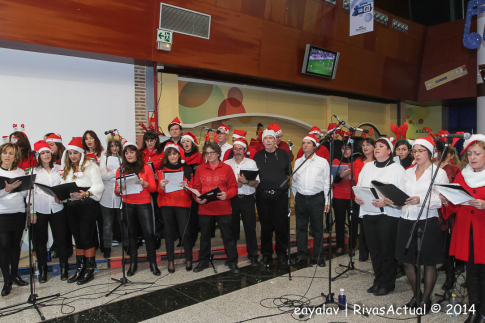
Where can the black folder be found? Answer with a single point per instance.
(62, 191)
(390, 191)
(211, 195)
(22, 187)
(374, 192)
(249, 174)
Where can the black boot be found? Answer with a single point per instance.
(42, 274)
(133, 267)
(473, 287)
(80, 269)
(158, 244)
(89, 273)
(107, 253)
(154, 269)
(7, 288)
(64, 271)
(450, 279)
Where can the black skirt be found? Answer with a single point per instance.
(432, 242)
(12, 222)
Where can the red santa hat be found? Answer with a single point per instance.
(315, 130)
(277, 130)
(177, 147)
(426, 142)
(41, 146)
(331, 126)
(55, 137)
(175, 121)
(312, 138)
(239, 134)
(473, 139)
(77, 145)
(224, 129)
(128, 143)
(241, 142)
(390, 141)
(92, 156)
(191, 137)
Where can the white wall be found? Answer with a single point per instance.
(66, 95)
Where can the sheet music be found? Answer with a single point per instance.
(365, 194)
(456, 197)
(113, 164)
(131, 186)
(193, 190)
(174, 180)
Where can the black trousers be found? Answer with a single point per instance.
(194, 222)
(10, 252)
(206, 223)
(57, 222)
(341, 209)
(81, 217)
(98, 233)
(309, 209)
(140, 214)
(109, 216)
(173, 218)
(475, 279)
(380, 233)
(159, 222)
(363, 250)
(243, 207)
(273, 216)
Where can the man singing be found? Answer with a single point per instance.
(311, 184)
(175, 129)
(222, 136)
(322, 151)
(272, 200)
(243, 205)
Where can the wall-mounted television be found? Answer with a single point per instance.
(320, 62)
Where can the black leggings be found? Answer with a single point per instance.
(142, 214)
(341, 208)
(10, 253)
(40, 230)
(174, 217)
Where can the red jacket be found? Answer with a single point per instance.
(179, 198)
(322, 151)
(207, 179)
(229, 154)
(153, 157)
(467, 215)
(341, 190)
(144, 196)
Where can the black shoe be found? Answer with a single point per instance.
(54, 254)
(411, 304)
(473, 317)
(426, 307)
(266, 260)
(226, 263)
(42, 274)
(400, 272)
(89, 272)
(201, 266)
(64, 271)
(19, 281)
(133, 267)
(363, 256)
(7, 288)
(158, 244)
(383, 291)
(254, 262)
(171, 271)
(281, 260)
(107, 253)
(234, 268)
(80, 269)
(450, 280)
(319, 262)
(154, 269)
(188, 265)
(373, 289)
(300, 262)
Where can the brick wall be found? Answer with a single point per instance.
(140, 99)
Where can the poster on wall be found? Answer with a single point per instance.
(361, 17)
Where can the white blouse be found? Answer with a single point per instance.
(413, 187)
(91, 178)
(109, 199)
(12, 202)
(44, 203)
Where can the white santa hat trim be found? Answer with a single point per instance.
(237, 136)
(390, 141)
(268, 133)
(188, 137)
(128, 143)
(425, 143)
(238, 142)
(175, 146)
(473, 138)
(310, 138)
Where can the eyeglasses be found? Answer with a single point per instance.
(210, 152)
(279, 137)
(415, 151)
(238, 149)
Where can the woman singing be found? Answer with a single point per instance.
(403, 150)
(467, 243)
(380, 228)
(55, 142)
(82, 208)
(175, 206)
(12, 218)
(48, 212)
(139, 208)
(193, 158)
(416, 184)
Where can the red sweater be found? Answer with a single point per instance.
(179, 198)
(152, 157)
(322, 151)
(207, 179)
(467, 215)
(341, 190)
(144, 196)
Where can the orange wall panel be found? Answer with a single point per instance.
(275, 11)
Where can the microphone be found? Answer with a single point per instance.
(110, 131)
(291, 144)
(210, 129)
(465, 135)
(352, 129)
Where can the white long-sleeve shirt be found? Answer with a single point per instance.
(12, 202)
(392, 174)
(245, 163)
(224, 148)
(109, 199)
(44, 203)
(312, 178)
(91, 178)
(413, 187)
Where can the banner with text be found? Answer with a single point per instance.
(446, 77)
(361, 17)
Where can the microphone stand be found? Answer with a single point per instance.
(418, 233)
(123, 280)
(33, 297)
(351, 265)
